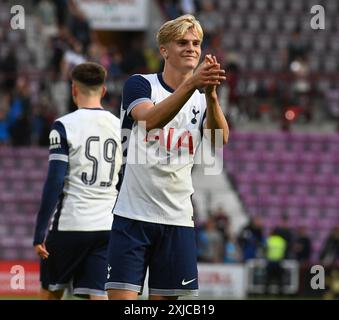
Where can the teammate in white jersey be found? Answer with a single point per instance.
(153, 223)
(80, 192)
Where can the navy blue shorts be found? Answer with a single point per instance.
(168, 251)
(77, 259)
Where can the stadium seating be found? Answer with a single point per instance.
(283, 173)
(23, 171)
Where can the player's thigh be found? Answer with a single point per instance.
(173, 267)
(128, 255)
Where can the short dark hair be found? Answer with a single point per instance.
(89, 74)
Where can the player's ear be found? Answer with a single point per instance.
(163, 52)
(74, 90)
(103, 91)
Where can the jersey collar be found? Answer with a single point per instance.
(92, 108)
(163, 83)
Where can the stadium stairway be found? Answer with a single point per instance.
(214, 191)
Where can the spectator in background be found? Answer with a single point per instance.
(332, 102)
(233, 73)
(8, 70)
(134, 60)
(172, 8)
(297, 49)
(153, 60)
(301, 247)
(216, 48)
(79, 26)
(285, 231)
(4, 108)
(61, 11)
(71, 58)
(211, 19)
(329, 255)
(210, 243)
(232, 252)
(20, 114)
(275, 253)
(222, 221)
(329, 258)
(251, 239)
(187, 6)
(175, 8)
(301, 251)
(46, 12)
(59, 45)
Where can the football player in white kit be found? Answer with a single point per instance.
(153, 217)
(84, 161)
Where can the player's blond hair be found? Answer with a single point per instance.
(176, 29)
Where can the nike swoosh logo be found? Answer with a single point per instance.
(184, 283)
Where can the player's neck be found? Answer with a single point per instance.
(89, 103)
(174, 78)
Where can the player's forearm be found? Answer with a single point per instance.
(49, 201)
(52, 189)
(215, 118)
(164, 111)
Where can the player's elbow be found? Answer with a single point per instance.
(153, 124)
(150, 126)
(225, 137)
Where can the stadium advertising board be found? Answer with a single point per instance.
(19, 278)
(116, 14)
(222, 281)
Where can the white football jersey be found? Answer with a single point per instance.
(89, 140)
(157, 185)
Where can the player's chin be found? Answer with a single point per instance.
(190, 65)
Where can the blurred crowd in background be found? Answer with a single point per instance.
(268, 75)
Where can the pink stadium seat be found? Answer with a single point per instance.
(310, 158)
(244, 177)
(321, 190)
(309, 168)
(282, 190)
(10, 254)
(289, 167)
(292, 211)
(262, 178)
(325, 223)
(270, 157)
(282, 178)
(268, 167)
(273, 212)
(19, 186)
(326, 168)
(322, 180)
(245, 188)
(7, 162)
(314, 212)
(301, 178)
(28, 163)
(301, 190)
(331, 213)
